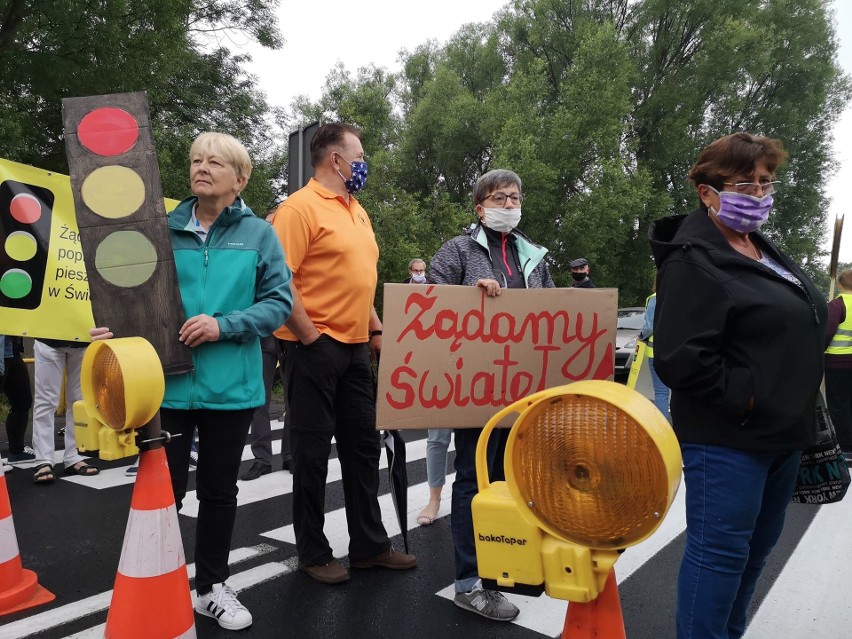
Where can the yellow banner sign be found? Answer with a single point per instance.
(44, 290)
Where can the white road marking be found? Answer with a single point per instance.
(90, 605)
(811, 595)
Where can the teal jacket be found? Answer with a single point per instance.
(239, 276)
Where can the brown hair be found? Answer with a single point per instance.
(327, 136)
(735, 154)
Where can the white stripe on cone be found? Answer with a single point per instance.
(8, 541)
(144, 528)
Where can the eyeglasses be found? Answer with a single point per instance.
(751, 188)
(500, 198)
(418, 271)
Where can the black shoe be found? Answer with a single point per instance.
(257, 469)
(287, 464)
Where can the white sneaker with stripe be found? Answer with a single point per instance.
(222, 604)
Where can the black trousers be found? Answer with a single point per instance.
(838, 397)
(261, 429)
(16, 386)
(221, 437)
(331, 393)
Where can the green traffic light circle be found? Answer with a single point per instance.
(126, 258)
(16, 284)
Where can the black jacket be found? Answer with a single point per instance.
(727, 330)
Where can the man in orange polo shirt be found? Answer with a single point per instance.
(331, 248)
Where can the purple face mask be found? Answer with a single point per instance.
(742, 213)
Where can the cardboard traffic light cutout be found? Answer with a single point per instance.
(123, 226)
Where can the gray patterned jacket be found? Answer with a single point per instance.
(465, 259)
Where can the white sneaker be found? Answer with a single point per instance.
(7, 467)
(222, 604)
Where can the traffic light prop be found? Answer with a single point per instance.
(118, 198)
(591, 469)
(123, 386)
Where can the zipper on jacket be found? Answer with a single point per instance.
(194, 377)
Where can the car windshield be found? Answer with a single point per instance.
(631, 319)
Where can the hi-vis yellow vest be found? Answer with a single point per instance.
(649, 343)
(841, 343)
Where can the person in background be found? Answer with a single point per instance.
(492, 255)
(661, 391)
(438, 439)
(739, 332)
(53, 359)
(416, 272)
(15, 383)
(580, 273)
(838, 362)
(3, 463)
(261, 426)
(235, 289)
(332, 251)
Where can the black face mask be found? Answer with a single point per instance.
(579, 277)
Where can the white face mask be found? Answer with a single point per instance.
(501, 220)
(418, 278)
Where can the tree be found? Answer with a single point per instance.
(51, 50)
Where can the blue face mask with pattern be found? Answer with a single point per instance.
(359, 176)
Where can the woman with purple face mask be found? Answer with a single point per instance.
(739, 331)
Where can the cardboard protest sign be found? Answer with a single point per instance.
(44, 287)
(452, 357)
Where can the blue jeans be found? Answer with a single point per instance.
(735, 506)
(464, 488)
(661, 391)
(437, 444)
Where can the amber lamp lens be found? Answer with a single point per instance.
(566, 466)
(108, 387)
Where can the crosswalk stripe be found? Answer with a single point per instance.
(100, 602)
(281, 482)
(819, 609)
(335, 521)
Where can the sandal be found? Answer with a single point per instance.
(81, 468)
(43, 474)
(426, 519)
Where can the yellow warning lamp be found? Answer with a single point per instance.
(123, 387)
(591, 468)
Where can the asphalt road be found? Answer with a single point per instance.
(71, 534)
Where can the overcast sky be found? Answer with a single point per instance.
(375, 31)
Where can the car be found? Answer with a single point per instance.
(627, 328)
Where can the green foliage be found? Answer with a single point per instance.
(601, 106)
(51, 50)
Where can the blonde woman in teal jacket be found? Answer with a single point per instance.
(235, 289)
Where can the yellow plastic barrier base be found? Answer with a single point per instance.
(117, 444)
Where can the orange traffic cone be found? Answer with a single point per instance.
(598, 619)
(19, 588)
(151, 598)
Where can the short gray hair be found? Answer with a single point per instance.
(414, 261)
(486, 184)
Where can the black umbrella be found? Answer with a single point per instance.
(398, 475)
(397, 471)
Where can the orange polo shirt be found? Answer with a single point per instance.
(331, 249)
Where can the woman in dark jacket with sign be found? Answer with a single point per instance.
(739, 329)
(492, 255)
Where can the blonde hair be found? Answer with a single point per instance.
(225, 146)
